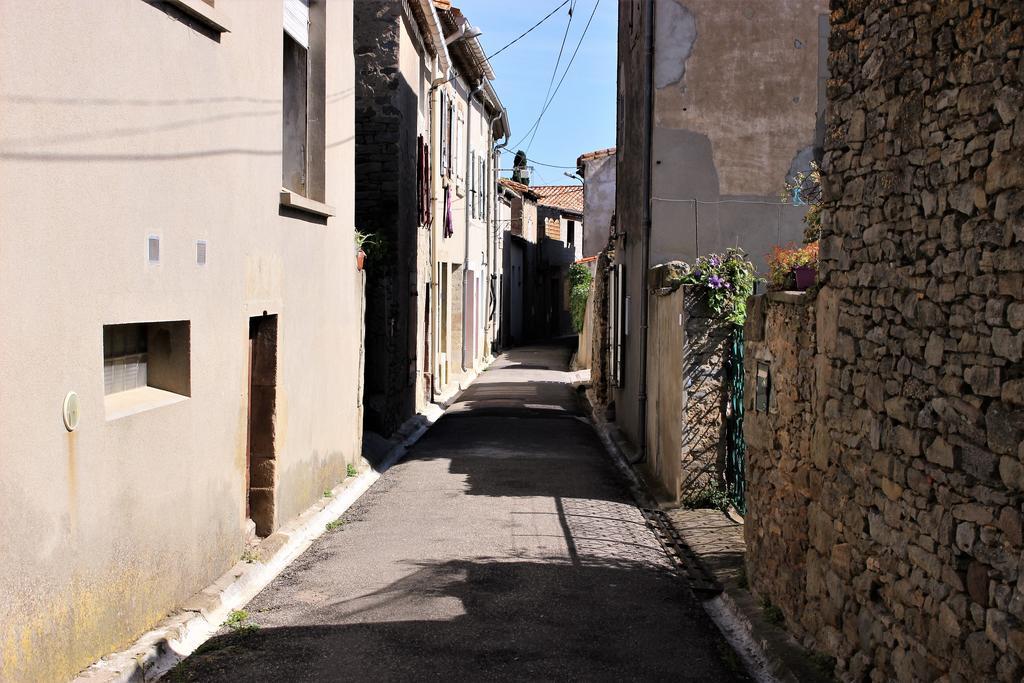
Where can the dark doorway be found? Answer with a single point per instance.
(259, 453)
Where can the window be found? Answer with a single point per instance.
(474, 208)
(459, 138)
(304, 74)
(570, 237)
(145, 365)
(204, 11)
(618, 304)
(484, 194)
(442, 122)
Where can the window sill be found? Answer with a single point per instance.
(294, 200)
(203, 12)
(125, 403)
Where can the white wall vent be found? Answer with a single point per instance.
(201, 252)
(153, 249)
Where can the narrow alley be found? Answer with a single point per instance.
(504, 546)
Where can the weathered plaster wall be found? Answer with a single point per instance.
(598, 204)
(687, 396)
(736, 106)
(665, 415)
(155, 126)
(914, 545)
(630, 160)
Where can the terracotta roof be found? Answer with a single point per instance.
(565, 197)
(596, 154)
(518, 187)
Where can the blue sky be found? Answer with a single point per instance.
(581, 117)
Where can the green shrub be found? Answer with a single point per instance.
(579, 290)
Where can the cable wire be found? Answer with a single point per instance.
(516, 40)
(554, 71)
(564, 74)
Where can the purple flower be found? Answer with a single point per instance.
(697, 274)
(715, 282)
(715, 261)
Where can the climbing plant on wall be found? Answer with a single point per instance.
(727, 280)
(579, 289)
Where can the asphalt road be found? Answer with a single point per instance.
(504, 547)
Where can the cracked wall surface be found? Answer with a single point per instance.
(737, 101)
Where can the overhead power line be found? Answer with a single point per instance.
(517, 39)
(554, 71)
(564, 74)
(527, 31)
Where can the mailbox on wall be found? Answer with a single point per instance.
(762, 387)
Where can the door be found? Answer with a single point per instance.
(260, 455)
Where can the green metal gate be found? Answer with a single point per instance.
(735, 448)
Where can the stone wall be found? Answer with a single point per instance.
(913, 555)
(385, 182)
(778, 421)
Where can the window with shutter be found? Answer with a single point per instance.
(472, 186)
(304, 99)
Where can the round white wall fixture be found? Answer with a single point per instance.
(71, 411)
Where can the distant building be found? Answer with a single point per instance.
(560, 208)
(598, 172)
(520, 276)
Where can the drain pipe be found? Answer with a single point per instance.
(494, 233)
(465, 209)
(646, 235)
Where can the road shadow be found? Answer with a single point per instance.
(484, 619)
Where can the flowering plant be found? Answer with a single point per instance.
(782, 261)
(727, 279)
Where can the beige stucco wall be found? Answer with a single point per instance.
(419, 70)
(738, 95)
(119, 121)
(463, 247)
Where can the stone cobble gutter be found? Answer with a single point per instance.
(707, 548)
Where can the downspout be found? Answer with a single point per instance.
(496, 233)
(434, 279)
(646, 235)
(465, 209)
(441, 66)
(491, 251)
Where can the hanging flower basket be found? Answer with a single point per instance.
(360, 259)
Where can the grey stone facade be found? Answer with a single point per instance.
(910, 399)
(385, 195)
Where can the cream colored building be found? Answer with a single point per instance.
(177, 250)
(469, 120)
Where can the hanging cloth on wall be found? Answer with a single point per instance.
(448, 230)
(423, 181)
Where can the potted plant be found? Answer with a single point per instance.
(362, 239)
(793, 267)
